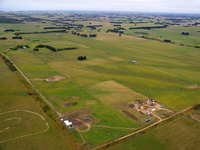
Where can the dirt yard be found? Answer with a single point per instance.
(145, 107)
(87, 119)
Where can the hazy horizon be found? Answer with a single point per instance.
(165, 6)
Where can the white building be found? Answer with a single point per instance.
(68, 123)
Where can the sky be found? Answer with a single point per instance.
(174, 6)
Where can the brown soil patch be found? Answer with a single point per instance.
(139, 101)
(131, 105)
(130, 115)
(55, 78)
(79, 113)
(68, 104)
(87, 119)
(194, 86)
(72, 98)
(76, 122)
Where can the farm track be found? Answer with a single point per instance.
(113, 127)
(58, 113)
(131, 134)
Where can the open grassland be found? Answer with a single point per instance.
(106, 82)
(182, 133)
(22, 125)
(172, 33)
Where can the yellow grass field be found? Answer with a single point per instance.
(114, 94)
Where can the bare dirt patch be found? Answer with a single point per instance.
(78, 113)
(68, 104)
(74, 121)
(191, 87)
(87, 119)
(55, 78)
(130, 115)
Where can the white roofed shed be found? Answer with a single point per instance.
(68, 123)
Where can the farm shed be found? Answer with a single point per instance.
(68, 123)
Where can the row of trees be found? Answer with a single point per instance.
(53, 48)
(17, 37)
(18, 33)
(9, 30)
(10, 20)
(3, 38)
(185, 33)
(84, 35)
(149, 28)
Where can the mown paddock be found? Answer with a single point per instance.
(182, 133)
(116, 96)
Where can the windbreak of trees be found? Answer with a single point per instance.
(138, 22)
(93, 35)
(167, 40)
(149, 28)
(84, 35)
(3, 38)
(92, 27)
(117, 22)
(9, 30)
(18, 33)
(97, 25)
(185, 33)
(10, 20)
(53, 48)
(116, 25)
(54, 28)
(17, 37)
(115, 30)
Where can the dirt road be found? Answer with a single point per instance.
(59, 114)
(126, 136)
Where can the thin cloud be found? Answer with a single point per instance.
(186, 6)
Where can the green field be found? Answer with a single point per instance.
(182, 133)
(103, 85)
